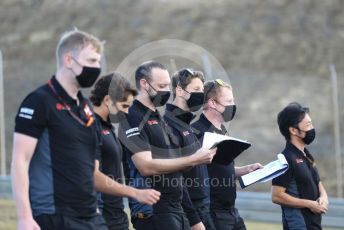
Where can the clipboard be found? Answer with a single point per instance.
(269, 172)
(228, 148)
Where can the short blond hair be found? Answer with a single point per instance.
(212, 89)
(74, 41)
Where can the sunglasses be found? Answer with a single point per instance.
(183, 74)
(213, 83)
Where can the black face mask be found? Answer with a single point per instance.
(88, 75)
(118, 117)
(160, 98)
(229, 112)
(310, 136)
(196, 100)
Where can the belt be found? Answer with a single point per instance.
(142, 216)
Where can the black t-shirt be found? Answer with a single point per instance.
(145, 130)
(196, 178)
(110, 161)
(61, 169)
(301, 180)
(222, 179)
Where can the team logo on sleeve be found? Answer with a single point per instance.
(132, 132)
(186, 133)
(26, 113)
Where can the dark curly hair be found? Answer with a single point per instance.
(183, 78)
(113, 84)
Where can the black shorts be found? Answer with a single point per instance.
(228, 220)
(171, 221)
(116, 220)
(58, 222)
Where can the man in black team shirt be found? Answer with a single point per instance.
(111, 97)
(147, 139)
(188, 98)
(219, 107)
(299, 191)
(55, 143)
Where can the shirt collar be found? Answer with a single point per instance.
(107, 124)
(210, 127)
(292, 148)
(180, 114)
(62, 92)
(144, 109)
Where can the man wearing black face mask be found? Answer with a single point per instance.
(113, 95)
(219, 107)
(189, 97)
(299, 191)
(152, 159)
(55, 143)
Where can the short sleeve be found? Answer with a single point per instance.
(133, 137)
(284, 179)
(31, 118)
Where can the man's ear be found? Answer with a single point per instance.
(210, 104)
(143, 84)
(67, 59)
(107, 100)
(293, 131)
(179, 90)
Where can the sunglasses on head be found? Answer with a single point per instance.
(183, 74)
(218, 81)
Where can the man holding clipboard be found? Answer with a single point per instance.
(219, 108)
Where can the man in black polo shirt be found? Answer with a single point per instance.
(55, 143)
(219, 107)
(147, 139)
(299, 191)
(189, 97)
(112, 96)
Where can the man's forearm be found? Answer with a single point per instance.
(163, 166)
(288, 200)
(322, 190)
(20, 187)
(109, 186)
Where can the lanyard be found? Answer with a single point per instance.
(87, 109)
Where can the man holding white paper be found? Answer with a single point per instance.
(219, 108)
(299, 191)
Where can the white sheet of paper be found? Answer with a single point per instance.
(210, 139)
(270, 171)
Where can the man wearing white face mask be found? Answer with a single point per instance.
(299, 191)
(219, 107)
(55, 143)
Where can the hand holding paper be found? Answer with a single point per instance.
(228, 148)
(270, 171)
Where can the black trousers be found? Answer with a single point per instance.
(58, 222)
(171, 221)
(116, 220)
(143, 223)
(228, 219)
(203, 212)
